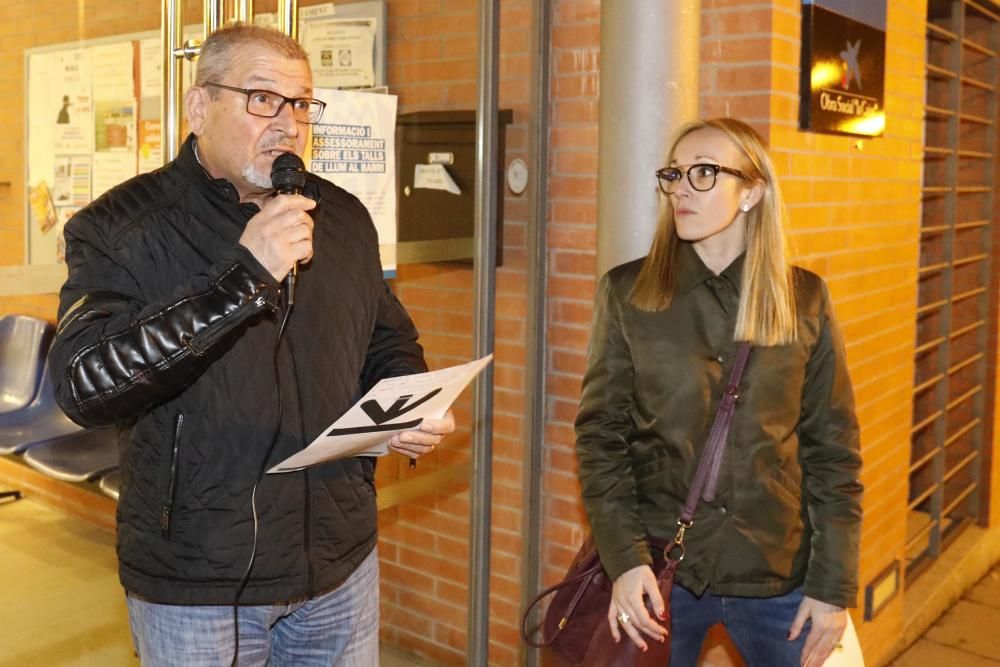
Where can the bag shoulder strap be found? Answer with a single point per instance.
(706, 477)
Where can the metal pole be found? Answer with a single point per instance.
(243, 11)
(214, 10)
(649, 87)
(170, 33)
(288, 14)
(534, 430)
(483, 331)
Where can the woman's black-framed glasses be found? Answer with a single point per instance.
(268, 104)
(702, 177)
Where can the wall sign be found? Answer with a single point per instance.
(842, 89)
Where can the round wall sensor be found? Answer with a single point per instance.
(517, 176)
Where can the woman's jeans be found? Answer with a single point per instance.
(758, 627)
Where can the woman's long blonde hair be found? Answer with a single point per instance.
(766, 314)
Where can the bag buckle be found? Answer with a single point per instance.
(678, 541)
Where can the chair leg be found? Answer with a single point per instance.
(10, 495)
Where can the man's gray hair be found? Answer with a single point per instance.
(216, 56)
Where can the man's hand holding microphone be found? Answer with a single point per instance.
(281, 234)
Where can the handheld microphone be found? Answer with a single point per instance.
(288, 177)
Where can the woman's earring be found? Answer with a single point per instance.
(745, 208)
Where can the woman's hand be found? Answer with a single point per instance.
(627, 598)
(828, 623)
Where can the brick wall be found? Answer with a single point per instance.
(991, 475)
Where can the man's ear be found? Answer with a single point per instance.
(196, 107)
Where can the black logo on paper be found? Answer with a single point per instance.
(382, 419)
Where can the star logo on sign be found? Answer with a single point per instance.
(850, 57)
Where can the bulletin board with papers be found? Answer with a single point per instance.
(92, 115)
(92, 121)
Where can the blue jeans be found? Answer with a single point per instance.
(338, 628)
(758, 627)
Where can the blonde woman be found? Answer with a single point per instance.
(774, 556)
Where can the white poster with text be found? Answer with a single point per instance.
(354, 146)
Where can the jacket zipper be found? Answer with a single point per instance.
(168, 506)
(306, 541)
(204, 340)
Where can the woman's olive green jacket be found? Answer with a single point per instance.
(788, 508)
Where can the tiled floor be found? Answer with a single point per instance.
(967, 635)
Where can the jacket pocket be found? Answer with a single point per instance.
(171, 492)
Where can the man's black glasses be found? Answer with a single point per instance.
(702, 177)
(268, 104)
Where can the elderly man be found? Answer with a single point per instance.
(174, 325)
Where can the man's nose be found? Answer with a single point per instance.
(285, 120)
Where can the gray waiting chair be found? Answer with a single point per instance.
(79, 457)
(24, 342)
(111, 483)
(41, 420)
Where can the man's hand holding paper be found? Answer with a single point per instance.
(409, 414)
(423, 439)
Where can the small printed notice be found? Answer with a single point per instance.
(434, 177)
(341, 52)
(392, 406)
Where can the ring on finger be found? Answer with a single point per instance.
(837, 646)
(624, 618)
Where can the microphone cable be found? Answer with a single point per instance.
(289, 288)
(288, 176)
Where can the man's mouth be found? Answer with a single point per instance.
(275, 151)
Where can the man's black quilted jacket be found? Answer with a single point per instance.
(167, 327)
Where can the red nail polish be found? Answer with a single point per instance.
(662, 616)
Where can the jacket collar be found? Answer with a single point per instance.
(221, 188)
(691, 270)
(217, 188)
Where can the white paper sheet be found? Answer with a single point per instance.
(392, 406)
(112, 64)
(150, 67)
(110, 169)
